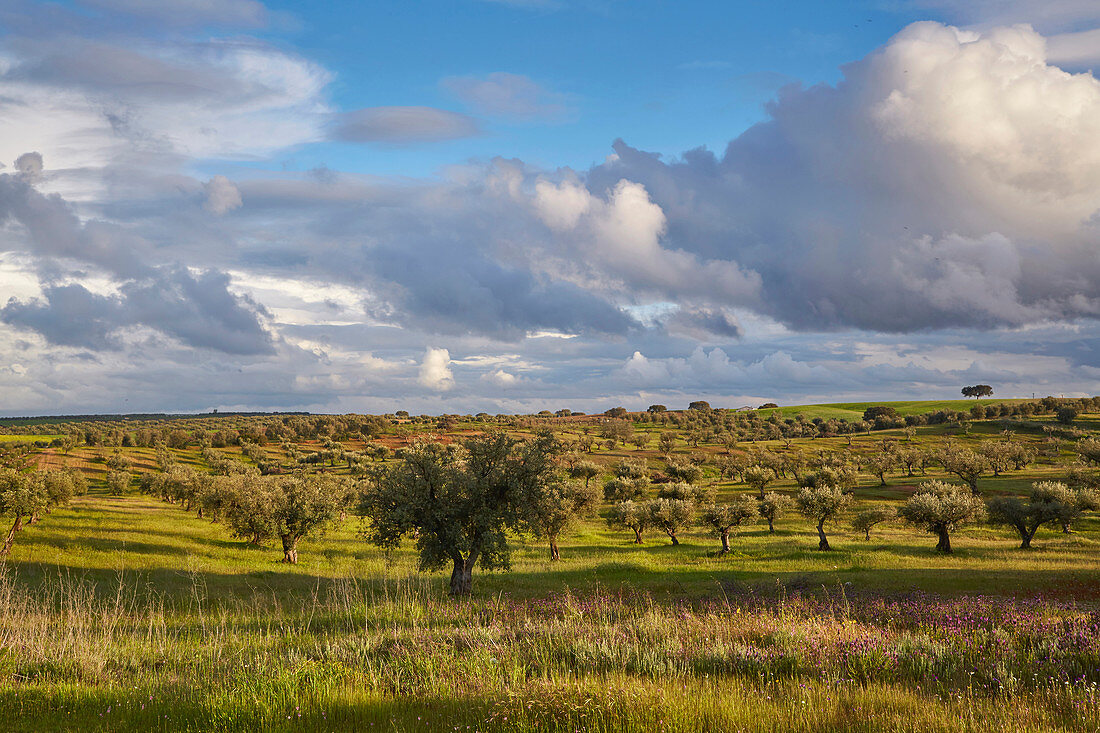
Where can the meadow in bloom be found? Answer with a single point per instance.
(157, 593)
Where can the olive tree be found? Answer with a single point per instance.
(670, 515)
(1076, 499)
(118, 482)
(941, 508)
(758, 477)
(684, 492)
(586, 470)
(998, 456)
(822, 503)
(249, 508)
(879, 465)
(631, 468)
(910, 458)
(630, 515)
(964, 463)
(1023, 516)
(1049, 502)
(59, 487)
(724, 518)
(867, 519)
(556, 505)
(21, 496)
(773, 506)
(303, 504)
(684, 471)
(460, 504)
(621, 488)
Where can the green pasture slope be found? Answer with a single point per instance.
(27, 438)
(854, 410)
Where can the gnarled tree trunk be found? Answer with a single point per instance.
(822, 540)
(290, 549)
(725, 540)
(462, 580)
(18, 525)
(554, 555)
(1026, 533)
(944, 545)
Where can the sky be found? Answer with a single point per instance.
(516, 205)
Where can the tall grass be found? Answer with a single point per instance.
(396, 653)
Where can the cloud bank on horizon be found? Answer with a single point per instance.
(931, 219)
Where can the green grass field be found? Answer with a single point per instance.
(26, 438)
(852, 411)
(124, 612)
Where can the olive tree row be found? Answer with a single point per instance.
(25, 496)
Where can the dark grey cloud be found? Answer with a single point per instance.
(449, 291)
(403, 125)
(199, 310)
(53, 230)
(704, 324)
(69, 315)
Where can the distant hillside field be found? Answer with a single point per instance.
(854, 410)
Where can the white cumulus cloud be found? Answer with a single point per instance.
(435, 372)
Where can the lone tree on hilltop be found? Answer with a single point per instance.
(699, 405)
(978, 391)
(460, 504)
(724, 518)
(942, 508)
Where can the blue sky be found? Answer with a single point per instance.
(518, 205)
(666, 77)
